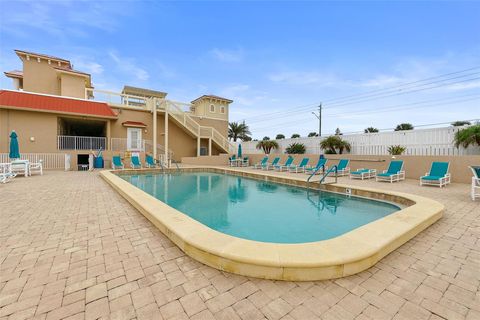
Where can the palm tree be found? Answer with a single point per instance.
(238, 130)
(468, 136)
(267, 145)
(371, 130)
(404, 126)
(334, 143)
(296, 148)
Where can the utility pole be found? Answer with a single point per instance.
(319, 117)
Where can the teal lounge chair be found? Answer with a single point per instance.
(342, 168)
(300, 167)
(438, 175)
(394, 172)
(363, 173)
(322, 162)
(260, 164)
(232, 161)
(135, 162)
(150, 162)
(117, 163)
(285, 166)
(245, 162)
(269, 166)
(475, 182)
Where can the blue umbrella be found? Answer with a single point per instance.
(239, 153)
(14, 150)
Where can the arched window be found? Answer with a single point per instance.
(212, 108)
(222, 109)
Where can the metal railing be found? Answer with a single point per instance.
(81, 143)
(116, 98)
(49, 160)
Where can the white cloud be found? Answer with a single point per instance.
(226, 55)
(128, 66)
(301, 78)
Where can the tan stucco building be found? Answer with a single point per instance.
(55, 109)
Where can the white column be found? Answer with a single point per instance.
(166, 133)
(198, 146)
(154, 111)
(209, 146)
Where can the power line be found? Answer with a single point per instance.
(364, 94)
(371, 99)
(381, 110)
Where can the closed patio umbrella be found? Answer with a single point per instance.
(14, 150)
(239, 153)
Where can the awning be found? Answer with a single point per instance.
(136, 124)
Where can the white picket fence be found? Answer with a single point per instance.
(425, 142)
(49, 160)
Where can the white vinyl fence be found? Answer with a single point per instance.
(425, 142)
(49, 160)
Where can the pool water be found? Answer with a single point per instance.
(258, 210)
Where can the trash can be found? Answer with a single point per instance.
(98, 162)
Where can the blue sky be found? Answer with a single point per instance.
(268, 57)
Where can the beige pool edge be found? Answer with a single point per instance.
(344, 255)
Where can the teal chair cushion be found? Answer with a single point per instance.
(439, 169)
(386, 174)
(395, 166)
(433, 178)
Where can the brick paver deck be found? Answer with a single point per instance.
(71, 247)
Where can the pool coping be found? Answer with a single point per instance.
(347, 254)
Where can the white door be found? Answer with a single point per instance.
(134, 139)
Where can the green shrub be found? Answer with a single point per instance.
(296, 148)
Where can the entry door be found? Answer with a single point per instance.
(134, 139)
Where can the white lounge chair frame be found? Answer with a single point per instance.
(6, 173)
(442, 182)
(343, 172)
(371, 173)
(475, 192)
(21, 167)
(36, 167)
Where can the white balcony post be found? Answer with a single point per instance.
(210, 146)
(153, 101)
(166, 134)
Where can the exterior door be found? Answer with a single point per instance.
(134, 139)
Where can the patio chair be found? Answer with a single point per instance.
(300, 167)
(363, 173)
(150, 162)
(36, 167)
(394, 172)
(232, 161)
(260, 164)
(475, 182)
(438, 175)
(342, 168)
(117, 163)
(245, 162)
(6, 173)
(269, 166)
(285, 166)
(135, 162)
(322, 162)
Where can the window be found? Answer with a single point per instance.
(222, 109)
(212, 108)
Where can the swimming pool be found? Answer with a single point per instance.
(261, 210)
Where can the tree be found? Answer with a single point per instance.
(396, 150)
(266, 138)
(280, 136)
(238, 131)
(246, 138)
(313, 134)
(338, 132)
(333, 144)
(371, 130)
(404, 126)
(296, 148)
(468, 136)
(461, 123)
(267, 145)
(295, 135)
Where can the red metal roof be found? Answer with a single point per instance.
(133, 124)
(55, 104)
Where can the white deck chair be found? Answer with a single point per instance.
(6, 173)
(20, 167)
(36, 167)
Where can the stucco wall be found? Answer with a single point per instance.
(72, 86)
(415, 166)
(220, 125)
(40, 77)
(41, 126)
(202, 108)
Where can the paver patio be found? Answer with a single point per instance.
(71, 247)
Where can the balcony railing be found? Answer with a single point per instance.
(81, 143)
